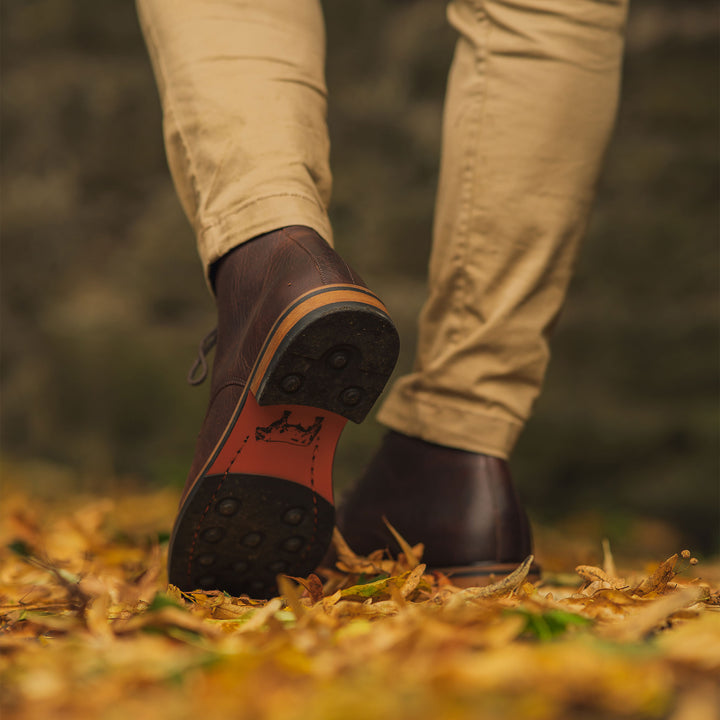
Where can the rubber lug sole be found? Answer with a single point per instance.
(338, 359)
(247, 529)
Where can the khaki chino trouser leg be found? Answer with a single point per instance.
(530, 105)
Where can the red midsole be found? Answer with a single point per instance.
(291, 442)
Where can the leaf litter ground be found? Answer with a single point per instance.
(90, 629)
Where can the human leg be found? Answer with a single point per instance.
(242, 86)
(530, 105)
(302, 344)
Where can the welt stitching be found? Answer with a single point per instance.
(314, 499)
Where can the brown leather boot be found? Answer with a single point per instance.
(461, 505)
(302, 346)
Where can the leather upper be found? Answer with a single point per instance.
(461, 505)
(253, 284)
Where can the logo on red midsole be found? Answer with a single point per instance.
(281, 431)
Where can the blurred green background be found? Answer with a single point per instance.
(103, 301)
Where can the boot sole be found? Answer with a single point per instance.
(480, 574)
(263, 503)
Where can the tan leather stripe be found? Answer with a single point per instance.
(319, 300)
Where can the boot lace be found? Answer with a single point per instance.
(206, 345)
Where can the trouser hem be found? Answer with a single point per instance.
(255, 218)
(450, 425)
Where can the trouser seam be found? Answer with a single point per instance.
(468, 198)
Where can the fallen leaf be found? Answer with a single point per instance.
(503, 587)
(409, 553)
